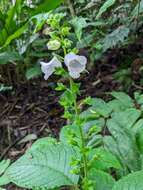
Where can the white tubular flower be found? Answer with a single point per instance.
(49, 68)
(53, 45)
(76, 64)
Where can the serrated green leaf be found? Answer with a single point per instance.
(120, 126)
(68, 131)
(99, 124)
(101, 107)
(45, 165)
(126, 119)
(101, 180)
(133, 181)
(116, 106)
(104, 159)
(123, 99)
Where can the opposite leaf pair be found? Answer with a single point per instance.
(75, 64)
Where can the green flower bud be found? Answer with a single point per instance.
(74, 50)
(65, 30)
(67, 43)
(59, 16)
(88, 184)
(53, 45)
(54, 24)
(75, 162)
(75, 171)
(54, 20)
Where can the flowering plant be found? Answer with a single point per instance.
(49, 164)
(73, 66)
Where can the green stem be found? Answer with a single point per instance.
(83, 145)
(85, 169)
(62, 39)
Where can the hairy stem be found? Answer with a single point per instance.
(85, 165)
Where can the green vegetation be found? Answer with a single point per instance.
(101, 145)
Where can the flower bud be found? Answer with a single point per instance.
(75, 171)
(65, 30)
(46, 31)
(67, 43)
(53, 45)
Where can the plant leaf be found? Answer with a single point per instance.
(16, 34)
(136, 9)
(104, 7)
(4, 180)
(115, 37)
(123, 99)
(45, 6)
(4, 165)
(120, 126)
(133, 181)
(6, 57)
(79, 23)
(101, 180)
(104, 159)
(33, 72)
(45, 165)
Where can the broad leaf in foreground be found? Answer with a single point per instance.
(45, 165)
(120, 126)
(133, 181)
(101, 180)
(123, 99)
(4, 164)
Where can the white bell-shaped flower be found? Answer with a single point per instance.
(76, 64)
(49, 68)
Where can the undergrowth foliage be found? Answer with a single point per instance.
(50, 163)
(97, 25)
(101, 146)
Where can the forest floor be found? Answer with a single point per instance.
(33, 109)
